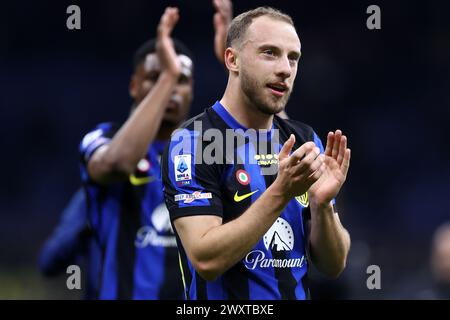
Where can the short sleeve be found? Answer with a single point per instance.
(191, 187)
(93, 140)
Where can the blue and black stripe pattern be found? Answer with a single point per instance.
(276, 268)
(139, 258)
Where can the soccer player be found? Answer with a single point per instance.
(120, 169)
(238, 219)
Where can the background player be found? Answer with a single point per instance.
(120, 170)
(72, 243)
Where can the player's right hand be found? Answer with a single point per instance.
(298, 171)
(164, 44)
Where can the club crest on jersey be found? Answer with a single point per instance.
(243, 177)
(182, 166)
(303, 199)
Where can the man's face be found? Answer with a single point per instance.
(268, 63)
(145, 78)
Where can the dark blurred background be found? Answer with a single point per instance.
(388, 89)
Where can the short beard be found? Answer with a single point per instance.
(253, 91)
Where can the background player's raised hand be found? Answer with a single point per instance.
(222, 20)
(298, 171)
(337, 162)
(164, 45)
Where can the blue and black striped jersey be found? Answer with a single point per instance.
(276, 268)
(131, 224)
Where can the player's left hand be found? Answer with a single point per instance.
(337, 162)
(222, 20)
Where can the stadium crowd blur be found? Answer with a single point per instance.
(387, 89)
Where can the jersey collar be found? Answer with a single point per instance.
(232, 122)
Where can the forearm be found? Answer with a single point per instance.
(223, 246)
(329, 241)
(131, 142)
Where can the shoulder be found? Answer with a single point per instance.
(102, 129)
(192, 130)
(300, 129)
(200, 122)
(99, 135)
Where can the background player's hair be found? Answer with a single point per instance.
(150, 47)
(240, 24)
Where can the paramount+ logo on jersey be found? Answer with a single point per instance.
(280, 237)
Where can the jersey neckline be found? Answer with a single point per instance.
(234, 124)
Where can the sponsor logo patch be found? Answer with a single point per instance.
(182, 168)
(239, 198)
(280, 237)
